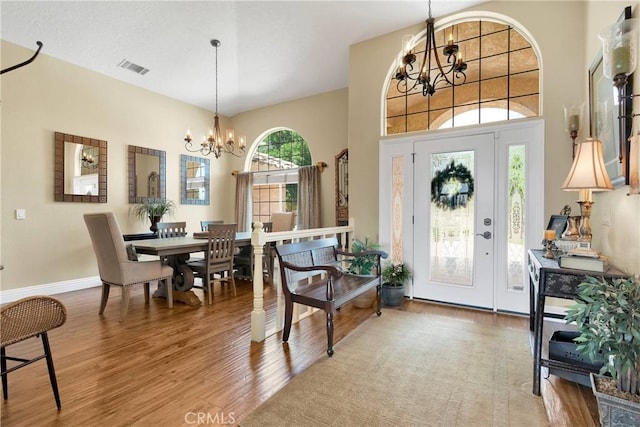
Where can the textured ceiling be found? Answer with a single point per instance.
(271, 52)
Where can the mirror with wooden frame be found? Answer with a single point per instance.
(194, 180)
(147, 174)
(342, 187)
(80, 169)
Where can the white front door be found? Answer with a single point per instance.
(447, 246)
(454, 220)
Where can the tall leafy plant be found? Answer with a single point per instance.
(608, 318)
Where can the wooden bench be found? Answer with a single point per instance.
(311, 276)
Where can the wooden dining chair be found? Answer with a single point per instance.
(243, 259)
(116, 268)
(28, 318)
(205, 224)
(172, 229)
(280, 221)
(218, 264)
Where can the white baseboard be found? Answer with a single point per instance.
(11, 295)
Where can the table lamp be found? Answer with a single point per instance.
(587, 174)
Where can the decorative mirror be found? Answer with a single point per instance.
(342, 188)
(80, 169)
(194, 180)
(147, 174)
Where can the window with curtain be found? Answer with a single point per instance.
(274, 164)
(503, 82)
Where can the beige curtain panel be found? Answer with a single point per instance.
(308, 197)
(244, 200)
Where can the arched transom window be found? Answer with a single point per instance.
(503, 82)
(274, 164)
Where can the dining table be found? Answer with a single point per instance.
(176, 251)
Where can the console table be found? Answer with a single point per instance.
(548, 279)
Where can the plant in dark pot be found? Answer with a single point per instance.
(608, 318)
(394, 277)
(154, 211)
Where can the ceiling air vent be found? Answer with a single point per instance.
(128, 65)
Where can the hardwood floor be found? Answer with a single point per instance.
(187, 365)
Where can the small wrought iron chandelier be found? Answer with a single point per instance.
(214, 143)
(88, 161)
(455, 65)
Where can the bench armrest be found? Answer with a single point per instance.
(333, 271)
(381, 254)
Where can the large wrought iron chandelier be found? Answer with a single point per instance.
(214, 142)
(453, 69)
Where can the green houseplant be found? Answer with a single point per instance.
(363, 265)
(154, 211)
(394, 277)
(608, 318)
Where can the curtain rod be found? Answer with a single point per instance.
(321, 166)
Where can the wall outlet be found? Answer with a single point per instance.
(21, 213)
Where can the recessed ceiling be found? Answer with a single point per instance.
(271, 51)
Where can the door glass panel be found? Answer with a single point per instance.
(515, 207)
(452, 222)
(397, 200)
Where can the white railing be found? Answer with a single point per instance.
(258, 241)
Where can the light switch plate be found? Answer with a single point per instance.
(605, 219)
(21, 213)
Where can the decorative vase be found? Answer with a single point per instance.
(573, 225)
(392, 295)
(154, 223)
(613, 410)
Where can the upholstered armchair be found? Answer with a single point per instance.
(116, 268)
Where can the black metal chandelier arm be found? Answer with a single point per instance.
(406, 82)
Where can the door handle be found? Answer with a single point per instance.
(486, 235)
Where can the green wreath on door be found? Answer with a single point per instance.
(452, 180)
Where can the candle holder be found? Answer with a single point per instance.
(549, 247)
(619, 47)
(572, 118)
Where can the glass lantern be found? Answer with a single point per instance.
(620, 48)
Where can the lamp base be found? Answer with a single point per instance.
(585, 222)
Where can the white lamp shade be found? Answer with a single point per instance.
(588, 171)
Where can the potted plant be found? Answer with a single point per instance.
(154, 211)
(363, 265)
(394, 277)
(608, 318)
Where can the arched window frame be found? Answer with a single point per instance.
(277, 177)
(455, 19)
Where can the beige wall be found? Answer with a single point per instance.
(51, 95)
(52, 244)
(560, 32)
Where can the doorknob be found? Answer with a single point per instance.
(486, 235)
